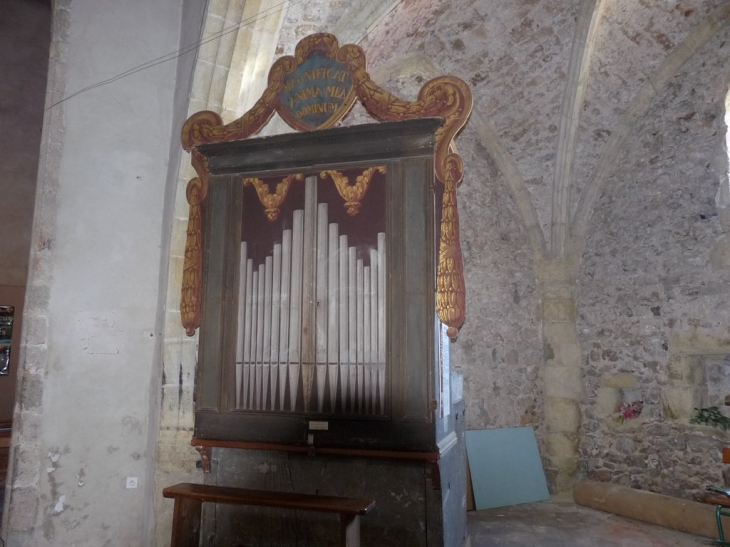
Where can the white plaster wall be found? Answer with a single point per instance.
(103, 276)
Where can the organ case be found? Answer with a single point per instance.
(319, 323)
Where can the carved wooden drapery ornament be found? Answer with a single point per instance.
(343, 77)
(272, 202)
(352, 193)
(192, 287)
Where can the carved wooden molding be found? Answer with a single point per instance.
(204, 452)
(352, 193)
(446, 96)
(192, 285)
(272, 202)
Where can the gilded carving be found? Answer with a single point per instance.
(272, 202)
(353, 193)
(447, 97)
(450, 287)
(193, 264)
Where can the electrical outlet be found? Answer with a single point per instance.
(131, 482)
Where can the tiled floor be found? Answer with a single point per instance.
(563, 524)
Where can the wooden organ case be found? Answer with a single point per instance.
(324, 270)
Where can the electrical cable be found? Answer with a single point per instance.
(180, 52)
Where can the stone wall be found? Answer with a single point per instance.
(499, 349)
(654, 295)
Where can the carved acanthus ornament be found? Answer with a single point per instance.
(450, 288)
(353, 193)
(447, 97)
(272, 202)
(192, 285)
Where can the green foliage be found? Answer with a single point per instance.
(711, 416)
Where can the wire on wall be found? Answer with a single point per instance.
(182, 51)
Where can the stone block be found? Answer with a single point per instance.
(23, 509)
(685, 370)
(679, 402)
(31, 391)
(608, 400)
(562, 415)
(36, 358)
(620, 380)
(36, 329)
(26, 466)
(564, 382)
(179, 238)
(177, 406)
(720, 254)
(173, 324)
(561, 446)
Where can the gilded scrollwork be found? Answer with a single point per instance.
(447, 97)
(272, 202)
(353, 193)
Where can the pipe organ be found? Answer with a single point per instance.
(324, 273)
(318, 317)
(312, 318)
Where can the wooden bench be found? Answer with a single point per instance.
(189, 500)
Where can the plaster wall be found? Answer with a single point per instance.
(90, 347)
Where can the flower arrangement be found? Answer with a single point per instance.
(630, 411)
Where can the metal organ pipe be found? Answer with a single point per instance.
(311, 320)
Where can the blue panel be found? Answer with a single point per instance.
(505, 467)
(315, 91)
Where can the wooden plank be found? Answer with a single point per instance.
(325, 451)
(263, 498)
(715, 499)
(417, 392)
(299, 150)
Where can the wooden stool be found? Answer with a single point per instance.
(189, 500)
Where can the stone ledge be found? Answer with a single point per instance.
(675, 513)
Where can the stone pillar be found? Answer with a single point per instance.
(563, 387)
